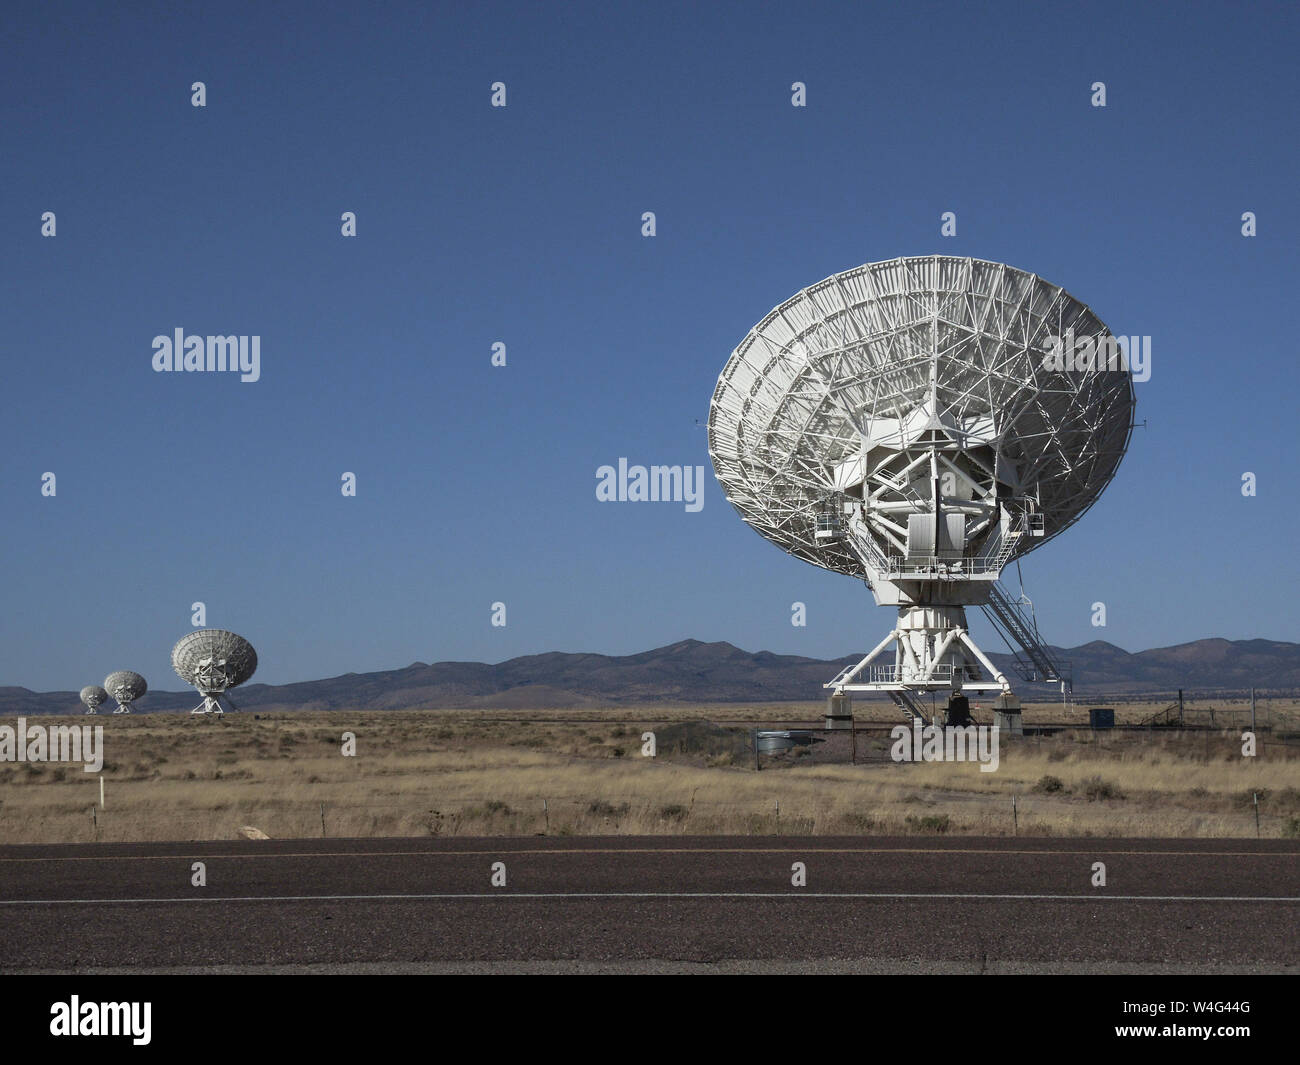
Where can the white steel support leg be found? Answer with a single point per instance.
(908, 663)
(845, 678)
(944, 645)
(994, 672)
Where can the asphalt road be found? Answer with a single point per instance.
(653, 905)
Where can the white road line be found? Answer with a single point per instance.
(955, 896)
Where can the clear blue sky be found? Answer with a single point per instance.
(522, 225)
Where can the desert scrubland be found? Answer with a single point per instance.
(457, 772)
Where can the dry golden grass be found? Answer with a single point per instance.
(446, 773)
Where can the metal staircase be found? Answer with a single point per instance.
(1019, 629)
(907, 702)
(1006, 545)
(1001, 550)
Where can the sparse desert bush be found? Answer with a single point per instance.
(936, 823)
(1286, 799)
(1047, 784)
(1097, 789)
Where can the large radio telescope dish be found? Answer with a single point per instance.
(126, 687)
(213, 660)
(91, 696)
(902, 423)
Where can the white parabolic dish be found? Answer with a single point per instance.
(838, 384)
(213, 659)
(904, 423)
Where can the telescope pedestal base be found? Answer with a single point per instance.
(839, 711)
(212, 703)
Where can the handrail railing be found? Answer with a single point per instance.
(941, 670)
(987, 563)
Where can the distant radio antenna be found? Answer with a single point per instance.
(126, 687)
(213, 661)
(91, 696)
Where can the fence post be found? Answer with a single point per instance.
(1015, 819)
(1256, 794)
(546, 813)
(322, 820)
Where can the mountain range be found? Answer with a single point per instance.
(694, 672)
